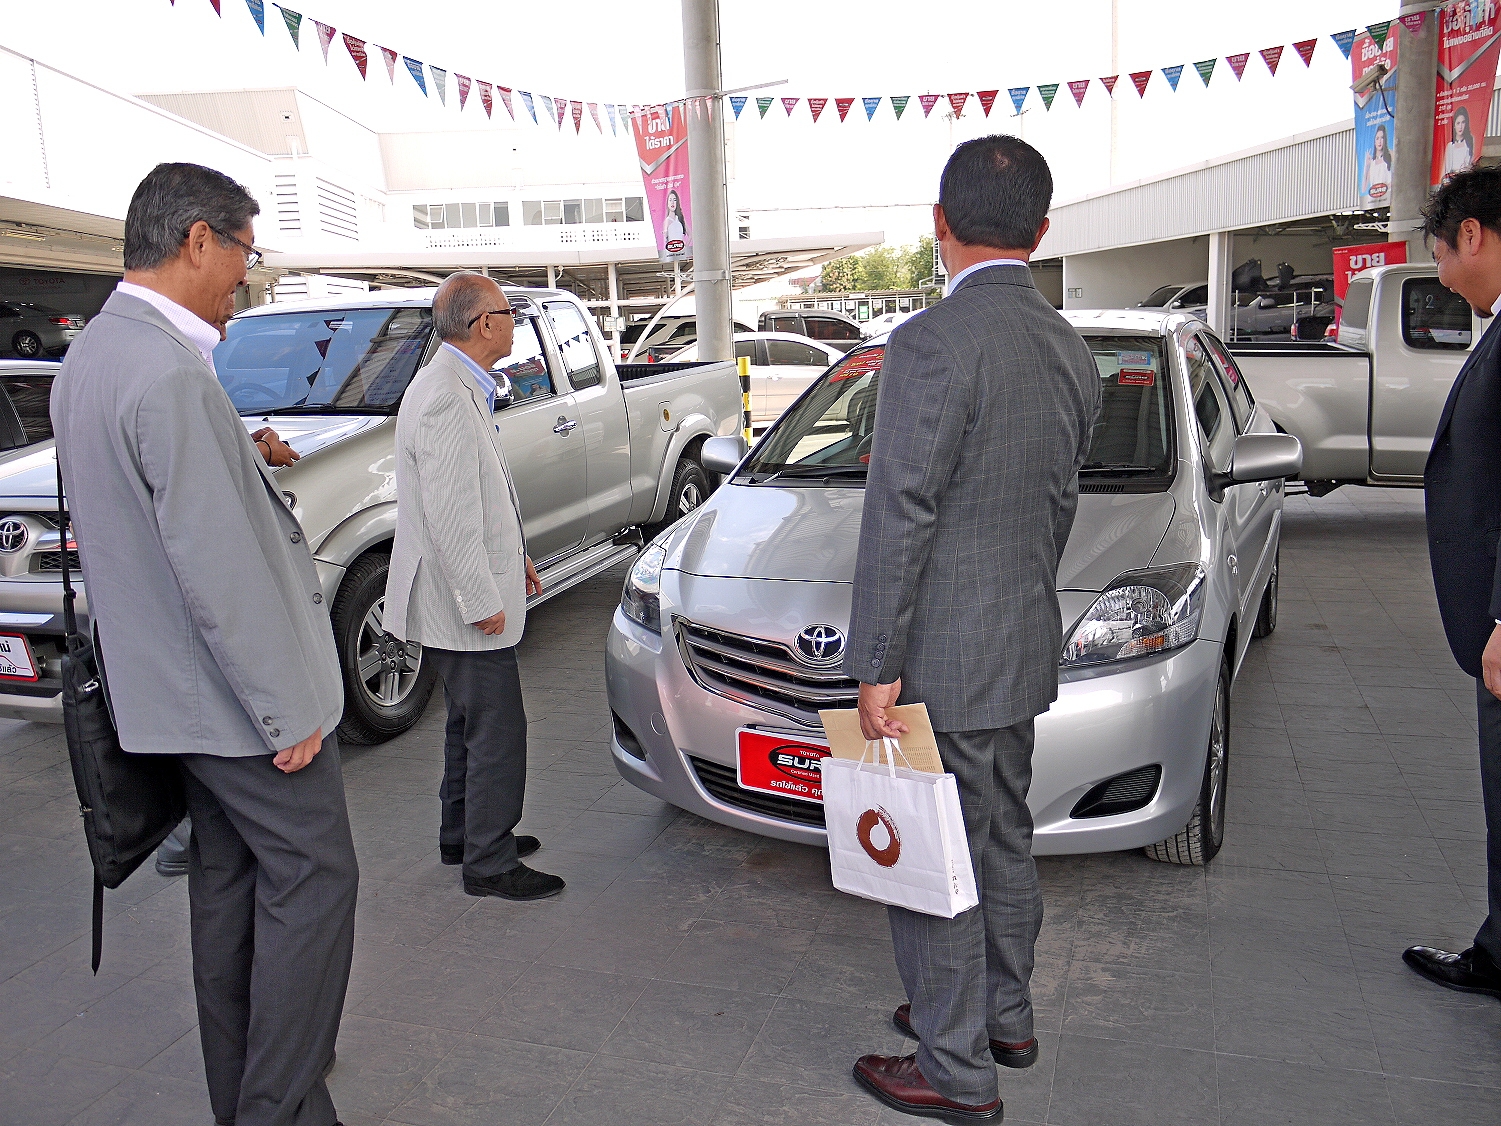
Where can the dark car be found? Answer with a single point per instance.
(825, 326)
(31, 331)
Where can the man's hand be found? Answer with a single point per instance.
(533, 583)
(276, 451)
(295, 758)
(494, 624)
(1490, 663)
(874, 700)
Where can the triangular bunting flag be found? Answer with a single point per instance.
(610, 113)
(815, 106)
(594, 116)
(843, 106)
(1139, 79)
(790, 104)
(1109, 84)
(577, 109)
(486, 98)
(549, 110)
(1018, 98)
(1172, 74)
(440, 82)
(1305, 47)
(1344, 40)
(928, 101)
(1238, 63)
(1205, 67)
(390, 56)
(1271, 56)
(871, 105)
(899, 104)
(1380, 30)
(1048, 92)
(258, 13)
(463, 90)
(1078, 88)
(414, 68)
(763, 104)
(322, 346)
(505, 100)
(356, 49)
(1413, 22)
(956, 103)
(215, 3)
(325, 37)
(526, 100)
(987, 99)
(737, 104)
(293, 20)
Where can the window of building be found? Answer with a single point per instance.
(453, 216)
(456, 216)
(419, 217)
(540, 212)
(502, 213)
(467, 216)
(594, 211)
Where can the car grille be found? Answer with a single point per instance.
(52, 561)
(763, 674)
(723, 786)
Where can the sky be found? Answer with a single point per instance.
(794, 176)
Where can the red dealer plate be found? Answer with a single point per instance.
(780, 764)
(16, 661)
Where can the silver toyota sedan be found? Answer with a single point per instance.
(730, 630)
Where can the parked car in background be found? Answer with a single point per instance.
(730, 633)
(668, 335)
(823, 325)
(782, 367)
(1178, 297)
(1299, 312)
(30, 331)
(1367, 405)
(597, 451)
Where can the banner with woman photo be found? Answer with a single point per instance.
(662, 147)
(1469, 32)
(1375, 101)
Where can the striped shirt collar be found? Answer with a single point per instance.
(205, 337)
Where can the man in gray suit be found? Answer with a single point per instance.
(458, 584)
(215, 634)
(985, 412)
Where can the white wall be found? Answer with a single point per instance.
(1116, 279)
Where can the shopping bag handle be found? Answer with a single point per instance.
(892, 748)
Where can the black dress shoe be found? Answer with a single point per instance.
(525, 846)
(1474, 971)
(898, 1082)
(1007, 1055)
(520, 882)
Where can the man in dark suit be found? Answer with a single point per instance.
(986, 407)
(1462, 486)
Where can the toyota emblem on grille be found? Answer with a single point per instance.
(820, 645)
(13, 535)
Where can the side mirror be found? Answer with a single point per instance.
(1265, 457)
(722, 455)
(1267, 303)
(505, 392)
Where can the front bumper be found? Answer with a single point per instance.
(1103, 723)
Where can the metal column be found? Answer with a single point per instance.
(1219, 282)
(1417, 71)
(711, 218)
(614, 308)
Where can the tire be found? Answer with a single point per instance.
(1200, 840)
(392, 694)
(690, 488)
(27, 345)
(1266, 615)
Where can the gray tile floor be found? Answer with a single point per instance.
(693, 974)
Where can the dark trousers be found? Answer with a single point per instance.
(272, 879)
(484, 757)
(1489, 711)
(969, 977)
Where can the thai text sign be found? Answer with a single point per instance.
(1469, 32)
(1375, 135)
(662, 147)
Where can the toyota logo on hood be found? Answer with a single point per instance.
(820, 645)
(13, 535)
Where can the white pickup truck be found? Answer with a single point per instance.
(597, 451)
(1365, 407)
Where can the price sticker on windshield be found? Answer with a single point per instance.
(861, 363)
(1136, 377)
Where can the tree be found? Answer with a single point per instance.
(880, 267)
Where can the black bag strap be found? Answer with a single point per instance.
(98, 922)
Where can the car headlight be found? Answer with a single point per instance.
(641, 598)
(1141, 613)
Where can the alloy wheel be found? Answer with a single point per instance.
(27, 345)
(388, 669)
(690, 498)
(1219, 747)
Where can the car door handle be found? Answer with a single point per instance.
(564, 425)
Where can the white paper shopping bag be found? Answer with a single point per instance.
(897, 835)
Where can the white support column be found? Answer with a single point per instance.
(711, 220)
(1219, 281)
(552, 277)
(614, 308)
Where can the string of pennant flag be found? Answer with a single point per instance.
(434, 80)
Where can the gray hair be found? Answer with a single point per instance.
(170, 200)
(461, 298)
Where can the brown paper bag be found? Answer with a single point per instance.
(919, 745)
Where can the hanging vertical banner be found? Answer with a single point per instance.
(486, 99)
(1078, 88)
(1344, 40)
(956, 103)
(1238, 63)
(1205, 67)
(1271, 56)
(390, 56)
(871, 105)
(463, 89)
(987, 99)
(762, 105)
(1172, 74)
(899, 104)
(1139, 79)
(1109, 84)
(356, 49)
(1375, 135)
(928, 101)
(1305, 47)
(414, 68)
(1048, 93)
(505, 100)
(526, 100)
(737, 104)
(325, 37)
(293, 20)
(1018, 98)
(815, 106)
(790, 104)
(1468, 38)
(258, 13)
(662, 149)
(843, 106)
(1350, 260)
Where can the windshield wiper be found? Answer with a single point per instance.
(1101, 467)
(812, 473)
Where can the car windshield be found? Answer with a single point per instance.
(826, 436)
(1160, 297)
(353, 360)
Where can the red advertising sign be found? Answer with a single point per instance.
(780, 764)
(1469, 32)
(1350, 260)
(662, 148)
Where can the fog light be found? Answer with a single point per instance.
(1125, 793)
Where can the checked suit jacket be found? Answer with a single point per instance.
(985, 412)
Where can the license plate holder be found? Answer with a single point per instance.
(17, 662)
(775, 762)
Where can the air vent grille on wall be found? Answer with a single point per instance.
(288, 210)
(337, 212)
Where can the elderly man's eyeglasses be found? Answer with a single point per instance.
(252, 255)
(515, 314)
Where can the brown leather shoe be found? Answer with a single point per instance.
(898, 1083)
(1007, 1055)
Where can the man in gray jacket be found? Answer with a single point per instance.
(458, 584)
(985, 412)
(216, 640)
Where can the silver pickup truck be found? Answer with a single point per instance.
(597, 450)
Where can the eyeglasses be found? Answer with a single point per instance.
(252, 255)
(514, 314)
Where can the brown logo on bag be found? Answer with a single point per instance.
(885, 857)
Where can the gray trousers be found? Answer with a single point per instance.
(272, 880)
(1489, 710)
(484, 757)
(969, 977)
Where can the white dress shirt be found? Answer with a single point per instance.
(985, 265)
(205, 337)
